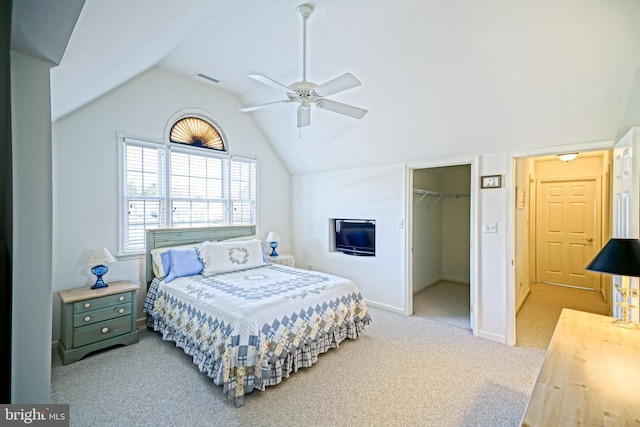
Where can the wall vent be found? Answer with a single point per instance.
(204, 76)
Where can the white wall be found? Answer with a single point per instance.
(371, 193)
(31, 305)
(456, 216)
(85, 193)
(427, 230)
(380, 192)
(521, 226)
(492, 251)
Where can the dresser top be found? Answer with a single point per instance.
(589, 376)
(79, 294)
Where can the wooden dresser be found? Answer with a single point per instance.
(93, 319)
(590, 375)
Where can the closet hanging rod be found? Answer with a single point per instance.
(438, 194)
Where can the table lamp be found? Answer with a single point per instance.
(273, 240)
(620, 257)
(97, 259)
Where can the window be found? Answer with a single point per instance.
(189, 181)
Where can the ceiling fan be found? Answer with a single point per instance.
(306, 93)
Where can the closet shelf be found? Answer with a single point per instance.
(437, 194)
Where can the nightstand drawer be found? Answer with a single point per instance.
(87, 318)
(101, 331)
(95, 303)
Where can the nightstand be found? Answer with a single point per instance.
(93, 319)
(287, 260)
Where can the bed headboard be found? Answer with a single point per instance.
(163, 237)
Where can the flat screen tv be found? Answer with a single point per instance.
(356, 236)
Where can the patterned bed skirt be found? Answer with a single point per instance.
(218, 354)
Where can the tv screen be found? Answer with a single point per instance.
(356, 236)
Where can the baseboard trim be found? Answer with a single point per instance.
(524, 299)
(462, 282)
(384, 306)
(427, 285)
(493, 337)
(141, 323)
(438, 280)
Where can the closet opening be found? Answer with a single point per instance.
(440, 233)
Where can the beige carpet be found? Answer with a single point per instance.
(446, 302)
(536, 320)
(404, 371)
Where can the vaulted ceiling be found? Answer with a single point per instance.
(441, 79)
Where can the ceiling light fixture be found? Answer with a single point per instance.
(567, 157)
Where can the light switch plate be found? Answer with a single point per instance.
(490, 227)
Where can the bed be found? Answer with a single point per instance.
(246, 323)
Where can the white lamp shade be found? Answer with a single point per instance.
(273, 237)
(100, 257)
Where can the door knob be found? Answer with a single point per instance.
(589, 239)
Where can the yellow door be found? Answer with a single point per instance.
(568, 220)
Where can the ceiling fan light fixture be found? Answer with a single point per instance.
(567, 157)
(305, 93)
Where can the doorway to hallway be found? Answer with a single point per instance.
(561, 221)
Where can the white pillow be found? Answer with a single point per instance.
(156, 258)
(226, 256)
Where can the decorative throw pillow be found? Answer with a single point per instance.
(244, 239)
(156, 258)
(222, 257)
(181, 263)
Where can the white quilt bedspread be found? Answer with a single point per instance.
(254, 326)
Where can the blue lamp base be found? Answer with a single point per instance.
(99, 271)
(273, 245)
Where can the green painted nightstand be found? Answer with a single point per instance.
(93, 319)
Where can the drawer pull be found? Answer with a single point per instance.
(121, 298)
(87, 304)
(87, 318)
(121, 310)
(104, 330)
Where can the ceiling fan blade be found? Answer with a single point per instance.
(304, 117)
(267, 81)
(339, 107)
(257, 107)
(339, 84)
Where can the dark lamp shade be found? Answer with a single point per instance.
(619, 256)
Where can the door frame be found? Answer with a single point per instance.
(510, 326)
(473, 237)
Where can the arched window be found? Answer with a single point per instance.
(196, 132)
(188, 181)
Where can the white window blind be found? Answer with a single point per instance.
(198, 189)
(243, 191)
(144, 199)
(198, 193)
